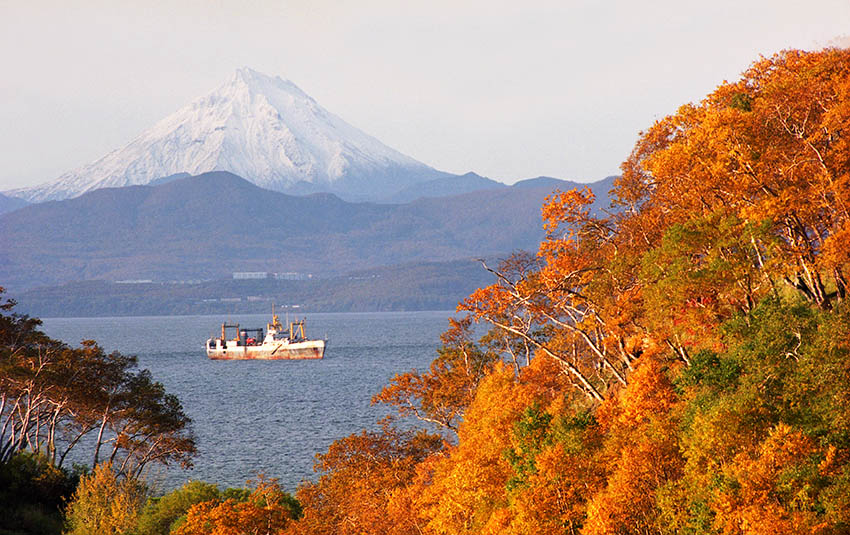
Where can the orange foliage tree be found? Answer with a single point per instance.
(442, 394)
(360, 476)
(717, 206)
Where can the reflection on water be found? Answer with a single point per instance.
(267, 416)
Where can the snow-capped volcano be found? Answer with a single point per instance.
(261, 128)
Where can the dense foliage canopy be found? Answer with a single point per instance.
(679, 365)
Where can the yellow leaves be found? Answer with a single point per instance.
(568, 207)
(469, 483)
(105, 503)
(499, 523)
(763, 502)
(627, 504)
(489, 419)
(830, 465)
(836, 248)
(364, 477)
(555, 498)
(641, 452)
(648, 394)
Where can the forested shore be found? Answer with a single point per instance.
(679, 364)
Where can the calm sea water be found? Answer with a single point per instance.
(269, 417)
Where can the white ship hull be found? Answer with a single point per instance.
(278, 350)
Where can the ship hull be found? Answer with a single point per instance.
(309, 350)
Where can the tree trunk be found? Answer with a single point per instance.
(100, 437)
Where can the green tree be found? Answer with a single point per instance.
(33, 493)
(160, 515)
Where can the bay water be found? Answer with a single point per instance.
(268, 417)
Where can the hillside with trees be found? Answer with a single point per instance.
(419, 286)
(680, 366)
(677, 365)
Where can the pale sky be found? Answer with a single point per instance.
(508, 89)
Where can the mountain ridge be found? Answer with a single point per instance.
(211, 225)
(8, 204)
(444, 187)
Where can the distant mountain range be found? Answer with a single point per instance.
(262, 128)
(211, 225)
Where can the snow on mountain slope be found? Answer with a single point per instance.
(261, 128)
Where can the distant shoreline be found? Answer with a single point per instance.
(410, 288)
(394, 313)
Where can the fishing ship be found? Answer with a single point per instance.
(273, 343)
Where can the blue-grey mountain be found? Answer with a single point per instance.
(7, 204)
(208, 226)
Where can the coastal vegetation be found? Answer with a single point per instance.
(65, 411)
(679, 364)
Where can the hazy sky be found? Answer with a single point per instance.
(510, 90)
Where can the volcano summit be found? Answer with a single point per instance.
(259, 127)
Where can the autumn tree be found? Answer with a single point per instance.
(360, 476)
(768, 148)
(440, 395)
(723, 208)
(676, 364)
(764, 425)
(105, 502)
(53, 396)
(460, 491)
(642, 453)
